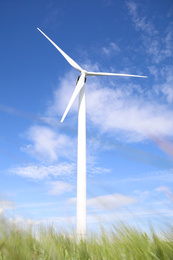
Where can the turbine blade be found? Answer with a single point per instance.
(78, 87)
(112, 74)
(72, 62)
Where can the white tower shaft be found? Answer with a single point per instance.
(81, 167)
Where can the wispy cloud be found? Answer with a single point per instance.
(167, 87)
(162, 175)
(140, 22)
(53, 17)
(142, 195)
(157, 46)
(59, 187)
(63, 169)
(20, 113)
(37, 205)
(93, 170)
(111, 49)
(166, 191)
(107, 3)
(163, 82)
(39, 172)
(108, 202)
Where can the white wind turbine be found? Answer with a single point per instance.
(81, 154)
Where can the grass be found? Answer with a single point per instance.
(121, 242)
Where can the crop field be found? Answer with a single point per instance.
(120, 242)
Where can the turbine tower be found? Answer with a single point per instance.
(81, 153)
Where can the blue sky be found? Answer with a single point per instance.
(129, 120)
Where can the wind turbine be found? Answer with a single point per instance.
(81, 154)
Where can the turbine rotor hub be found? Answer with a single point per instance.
(84, 72)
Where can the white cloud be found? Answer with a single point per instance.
(48, 144)
(110, 202)
(59, 187)
(126, 111)
(115, 110)
(163, 188)
(107, 202)
(39, 172)
(62, 95)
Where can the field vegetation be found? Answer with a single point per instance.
(121, 242)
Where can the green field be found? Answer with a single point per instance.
(120, 242)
